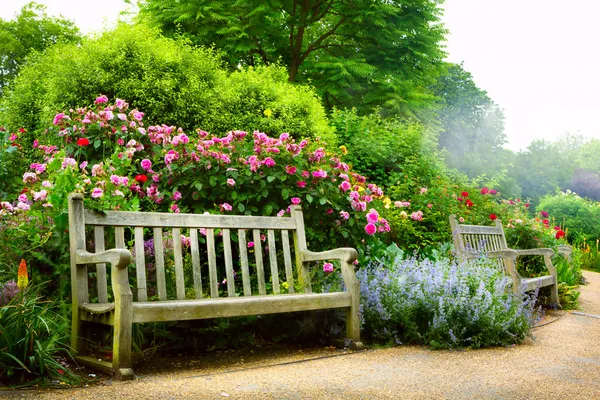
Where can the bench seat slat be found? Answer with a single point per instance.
(174, 310)
(170, 220)
(475, 229)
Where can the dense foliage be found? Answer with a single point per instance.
(385, 53)
(32, 30)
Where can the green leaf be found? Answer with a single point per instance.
(212, 180)
(198, 185)
(271, 178)
(309, 198)
(323, 201)
(234, 195)
(241, 207)
(285, 193)
(268, 209)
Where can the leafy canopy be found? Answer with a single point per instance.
(384, 53)
(31, 30)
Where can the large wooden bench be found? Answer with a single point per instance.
(473, 241)
(198, 280)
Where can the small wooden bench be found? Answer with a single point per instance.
(206, 252)
(472, 241)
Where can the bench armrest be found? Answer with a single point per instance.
(346, 254)
(508, 253)
(119, 258)
(536, 252)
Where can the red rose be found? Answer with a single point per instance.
(492, 192)
(464, 194)
(141, 178)
(557, 228)
(546, 222)
(459, 199)
(22, 130)
(484, 190)
(527, 205)
(560, 234)
(469, 203)
(83, 142)
(544, 214)
(493, 217)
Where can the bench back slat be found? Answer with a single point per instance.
(140, 264)
(287, 259)
(159, 262)
(197, 272)
(273, 261)
(228, 263)
(100, 268)
(299, 244)
(243, 246)
(260, 269)
(168, 220)
(212, 263)
(178, 260)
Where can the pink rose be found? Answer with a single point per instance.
(327, 268)
(295, 200)
(370, 228)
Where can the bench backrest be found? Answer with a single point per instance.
(207, 255)
(471, 241)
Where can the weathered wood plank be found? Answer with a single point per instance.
(236, 306)
(100, 268)
(159, 262)
(243, 246)
(476, 229)
(299, 247)
(287, 259)
(228, 263)
(273, 261)
(140, 264)
(197, 271)
(168, 220)
(178, 259)
(212, 263)
(260, 271)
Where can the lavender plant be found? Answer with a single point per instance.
(443, 304)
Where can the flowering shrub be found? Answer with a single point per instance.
(108, 153)
(443, 304)
(33, 335)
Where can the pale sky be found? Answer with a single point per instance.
(537, 59)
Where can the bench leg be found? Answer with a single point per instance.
(353, 319)
(121, 362)
(554, 294)
(78, 342)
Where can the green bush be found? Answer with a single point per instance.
(173, 82)
(388, 151)
(577, 215)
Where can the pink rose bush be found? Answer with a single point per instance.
(131, 166)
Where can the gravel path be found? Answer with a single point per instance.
(561, 362)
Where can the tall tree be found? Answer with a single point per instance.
(362, 53)
(472, 124)
(31, 30)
